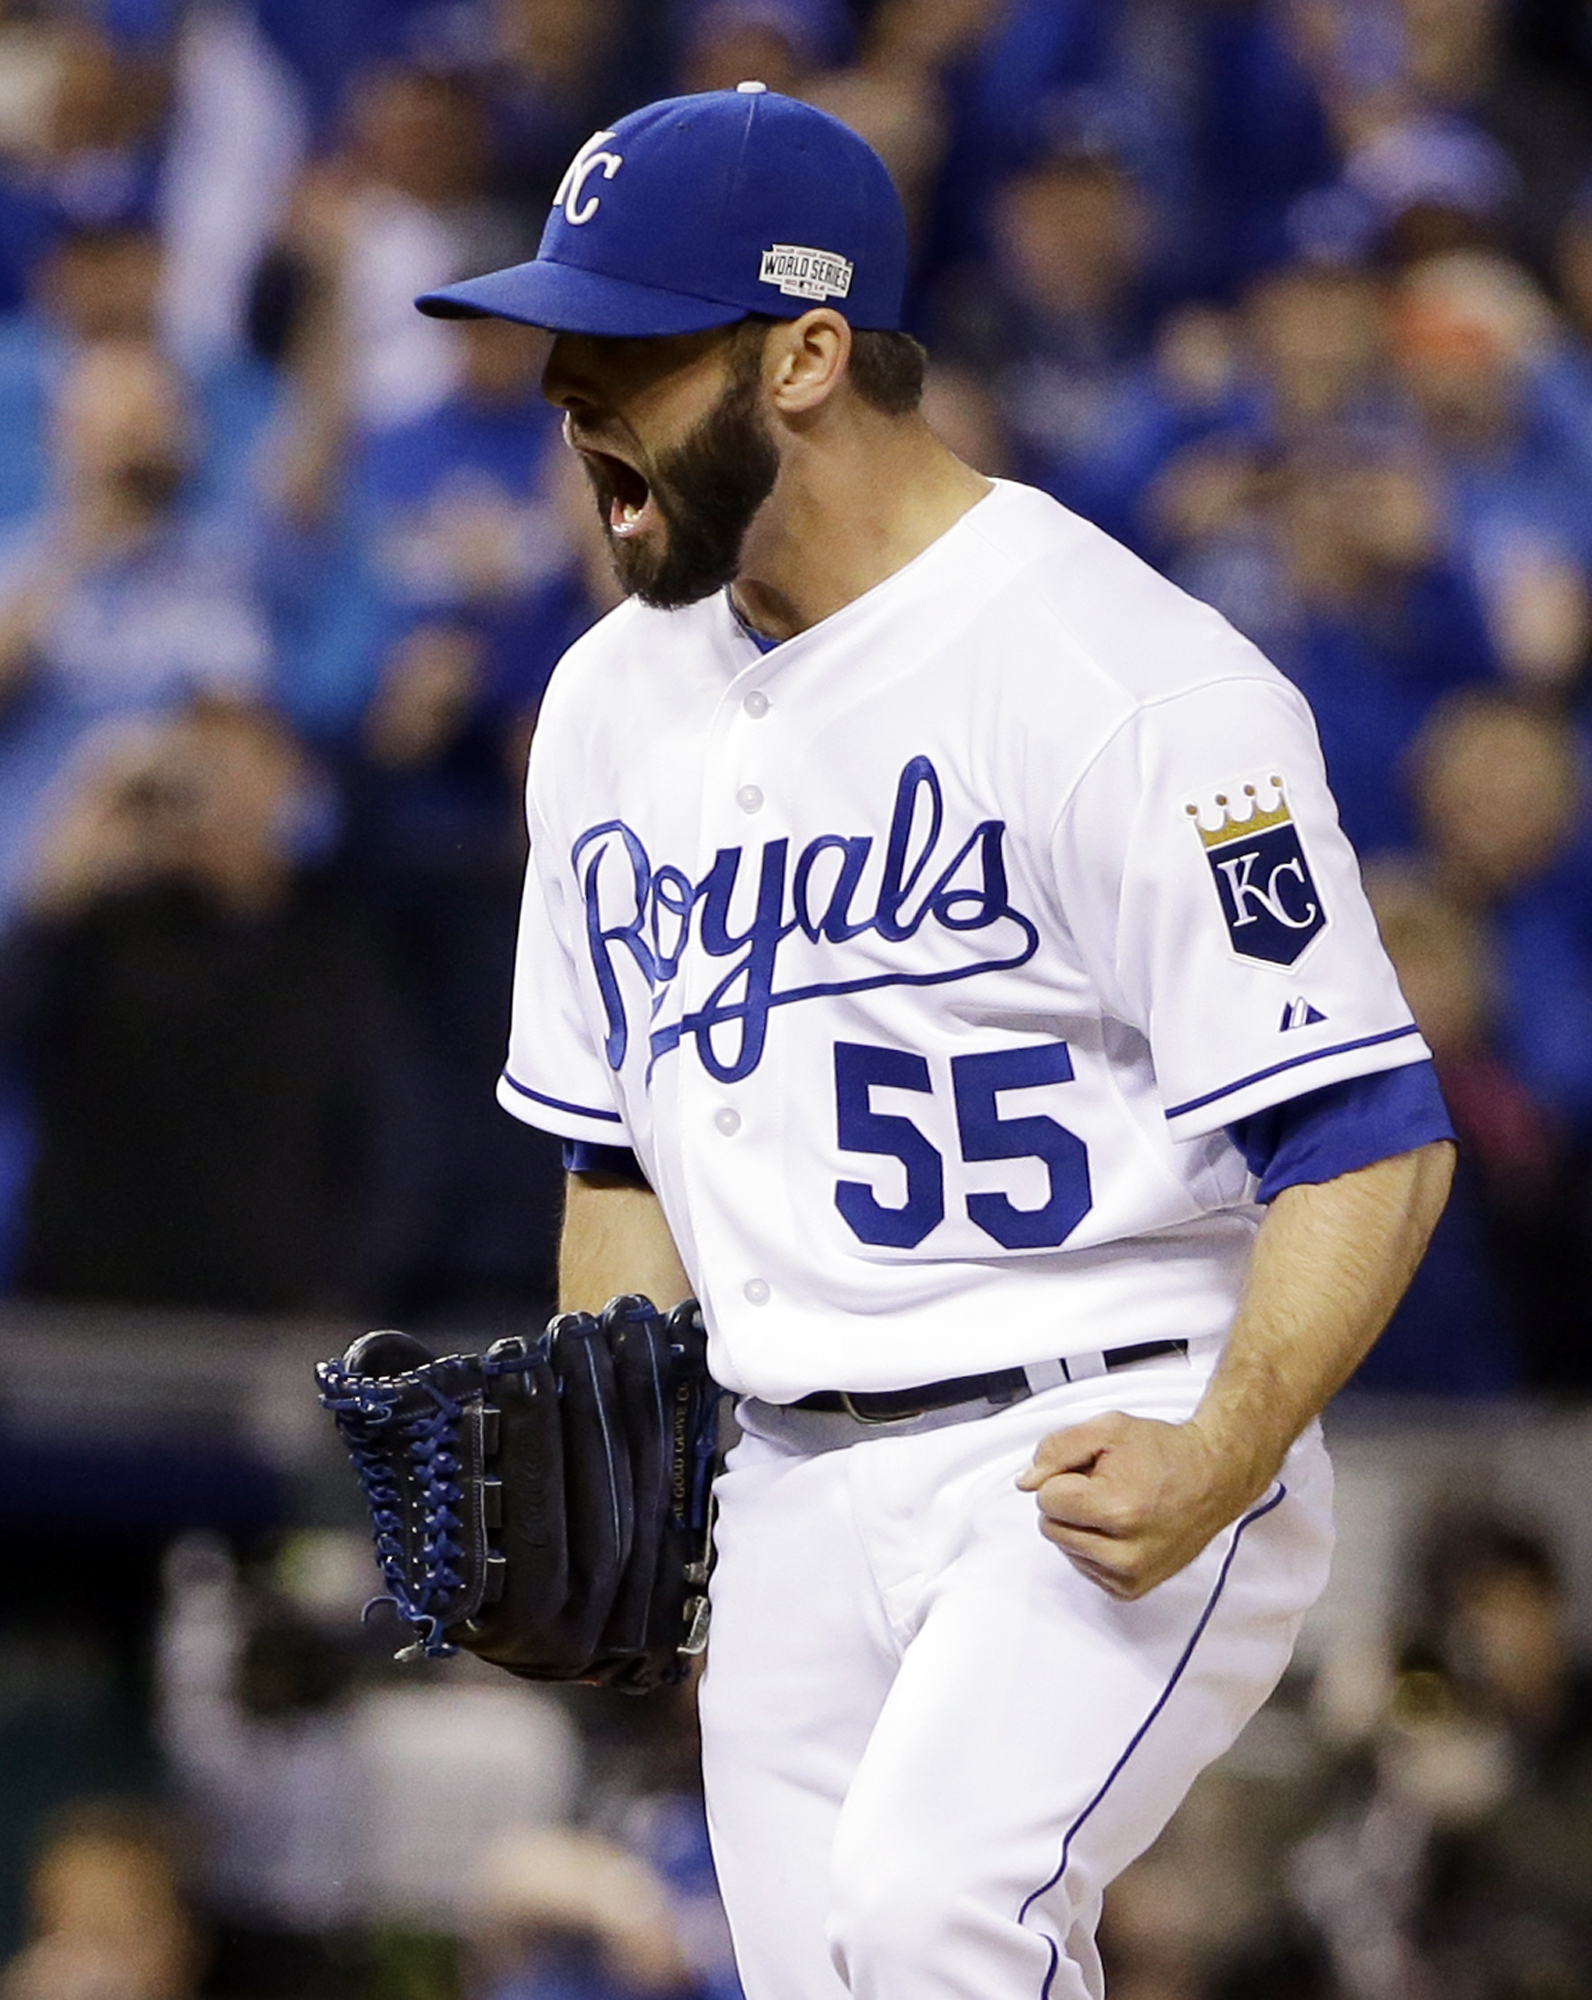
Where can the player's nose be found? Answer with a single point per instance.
(565, 383)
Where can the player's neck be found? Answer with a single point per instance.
(850, 508)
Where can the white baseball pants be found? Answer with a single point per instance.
(929, 1743)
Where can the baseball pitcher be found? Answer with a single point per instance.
(942, 960)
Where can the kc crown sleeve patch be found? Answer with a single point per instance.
(1268, 897)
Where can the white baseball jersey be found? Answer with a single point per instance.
(922, 959)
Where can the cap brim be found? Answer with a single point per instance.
(565, 299)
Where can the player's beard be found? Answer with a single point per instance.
(708, 490)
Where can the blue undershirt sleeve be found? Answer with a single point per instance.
(582, 1156)
(1343, 1127)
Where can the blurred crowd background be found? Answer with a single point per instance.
(1292, 296)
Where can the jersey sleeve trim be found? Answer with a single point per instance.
(558, 1115)
(559, 1104)
(1292, 1062)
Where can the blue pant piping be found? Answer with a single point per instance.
(1266, 1506)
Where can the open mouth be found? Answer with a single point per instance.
(626, 491)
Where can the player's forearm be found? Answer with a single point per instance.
(1330, 1264)
(614, 1240)
(1131, 1500)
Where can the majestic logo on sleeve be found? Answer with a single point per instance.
(846, 913)
(578, 206)
(1263, 880)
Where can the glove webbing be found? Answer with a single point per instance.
(422, 1585)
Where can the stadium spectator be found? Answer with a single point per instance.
(1259, 137)
(1458, 61)
(1455, 1860)
(456, 516)
(97, 284)
(1379, 622)
(404, 198)
(453, 499)
(120, 596)
(1317, 345)
(417, 164)
(553, 72)
(893, 92)
(1335, 557)
(570, 1915)
(223, 1090)
(1506, 1274)
(433, 846)
(92, 156)
(783, 43)
(1008, 74)
(1512, 1896)
(1540, 606)
(109, 1916)
(1499, 797)
(1065, 330)
(625, 1906)
(251, 1711)
(1481, 356)
(336, 1795)
(1573, 264)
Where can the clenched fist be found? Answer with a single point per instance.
(1131, 1500)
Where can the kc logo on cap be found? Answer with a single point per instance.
(572, 186)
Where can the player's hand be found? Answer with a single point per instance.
(1130, 1500)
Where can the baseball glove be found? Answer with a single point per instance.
(543, 1505)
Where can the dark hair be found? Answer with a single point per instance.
(886, 369)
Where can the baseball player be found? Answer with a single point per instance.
(941, 956)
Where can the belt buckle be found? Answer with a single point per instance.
(874, 1423)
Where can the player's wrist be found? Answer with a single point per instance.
(1241, 1456)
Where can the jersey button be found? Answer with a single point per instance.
(756, 1291)
(756, 704)
(728, 1121)
(749, 799)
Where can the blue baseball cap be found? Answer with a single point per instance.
(696, 211)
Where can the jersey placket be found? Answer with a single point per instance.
(714, 1117)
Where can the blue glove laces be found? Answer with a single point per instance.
(390, 1446)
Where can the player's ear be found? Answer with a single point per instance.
(805, 360)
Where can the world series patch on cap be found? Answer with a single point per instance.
(696, 211)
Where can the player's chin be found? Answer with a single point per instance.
(639, 558)
(644, 573)
(666, 572)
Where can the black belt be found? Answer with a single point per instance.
(1003, 1385)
